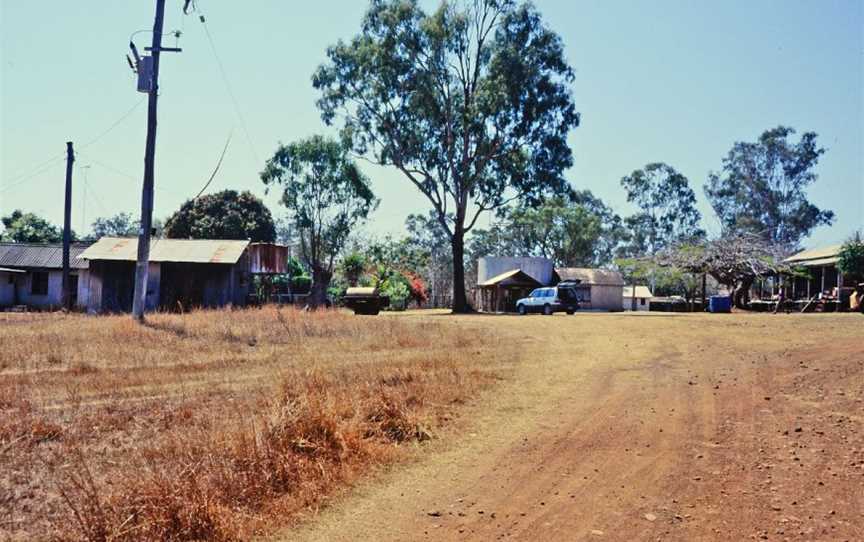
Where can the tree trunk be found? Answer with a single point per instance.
(741, 294)
(460, 300)
(318, 293)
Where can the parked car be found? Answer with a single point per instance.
(561, 298)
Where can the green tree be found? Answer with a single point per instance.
(613, 231)
(568, 233)
(427, 238)
(667, 209)
(733, 260)
(326, 196)
(851, 258)
(564, 233)
(223, 215)
(119, 225)
(471, 103)
(21, 227)
(352, 267)
(761, 188)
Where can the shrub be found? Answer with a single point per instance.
(851, 258)
(301, 284)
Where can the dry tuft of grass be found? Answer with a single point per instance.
(217, 425)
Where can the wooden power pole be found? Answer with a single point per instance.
(67, 227)
(139, 300)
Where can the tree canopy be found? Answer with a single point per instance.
(326, 195)
(119, 225)
(223, 215)
(761, 188)
(21, 227)
(667, 209)
(576, 231)
(851, 258)
(733, 260)
(471, 103)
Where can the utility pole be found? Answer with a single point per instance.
(142, 265)
(67, 226)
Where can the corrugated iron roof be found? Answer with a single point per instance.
(641, 291)
(40, 256)
(598, 277)
(268, 258)
(819, 262)
(815, 254)
(513, 274)
(168, 250)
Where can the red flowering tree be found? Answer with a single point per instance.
(417, 288)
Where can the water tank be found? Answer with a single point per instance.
(540, 269)
(720, 303)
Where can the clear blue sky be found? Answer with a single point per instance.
(672, 81)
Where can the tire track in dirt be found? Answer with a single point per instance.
(631, 428)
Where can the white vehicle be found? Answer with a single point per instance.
(561, 298)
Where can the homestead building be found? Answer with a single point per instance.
(183, 273)
(31, 275)
(501, 281)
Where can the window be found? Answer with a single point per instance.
(536, 293)
(39, 283)
(642, 301)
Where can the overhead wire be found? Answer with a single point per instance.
(40, 171)
(216, 170)
(45, 165)
(116, 123)
(228, 87)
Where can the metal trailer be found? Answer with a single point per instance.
(365, 300)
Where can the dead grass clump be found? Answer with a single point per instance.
(320, 430)
(217, 425)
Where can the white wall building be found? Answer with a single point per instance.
(638, 300)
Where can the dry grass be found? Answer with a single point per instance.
(215, 425)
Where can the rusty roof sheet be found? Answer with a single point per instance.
(168, 250)
(40, 256)
(598, 277)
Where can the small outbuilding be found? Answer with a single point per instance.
(598, 289)
(31, 275)
(637, 298)
(501, 292)
(183, 273)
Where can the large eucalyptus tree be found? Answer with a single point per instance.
(471, 102)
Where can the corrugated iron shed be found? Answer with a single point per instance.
(40, 256)
(267, 258)
(168, 250)
(588, 276)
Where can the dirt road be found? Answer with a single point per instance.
(640, 427)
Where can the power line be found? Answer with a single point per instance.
(122, 173)
(44, 166)
(228, 88)
(218, 165)
(116, 123)
(22, 179)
